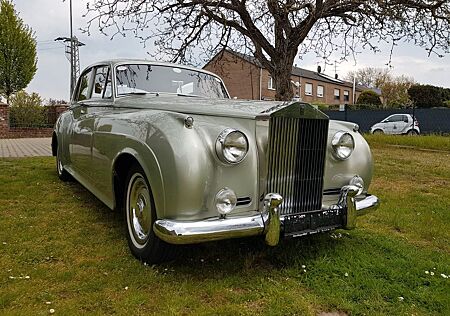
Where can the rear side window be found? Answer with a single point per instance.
(83, 86)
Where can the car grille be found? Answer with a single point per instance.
(296, 160)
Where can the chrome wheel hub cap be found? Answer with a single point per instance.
(60, 167)
(139, 210)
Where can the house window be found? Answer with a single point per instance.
(337, 94)
(320, 91)
(346, 95)
(308, 88)
(271, 85)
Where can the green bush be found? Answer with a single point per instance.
(369, 97)
(427, 96)
(26, 110)
(358, 106)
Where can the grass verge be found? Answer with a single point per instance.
(61, 245)
(434, 142)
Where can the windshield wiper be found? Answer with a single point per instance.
(140, 93)
(188, 95)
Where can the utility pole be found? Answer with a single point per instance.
(72, 53)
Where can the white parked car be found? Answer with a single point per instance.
(397, 124)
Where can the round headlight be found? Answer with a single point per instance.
(225, 201)
(231, 146)
(343, 145)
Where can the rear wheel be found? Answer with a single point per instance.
(378, 132)
(140, 215)
(62, 173)
(412, 132)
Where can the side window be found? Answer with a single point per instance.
(83, 86)
(102, 83)
(396, 118)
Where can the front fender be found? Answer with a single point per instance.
(338, 173)
(190, 170)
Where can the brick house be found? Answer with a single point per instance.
(245, 78)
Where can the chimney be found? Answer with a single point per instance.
(319, 69)
(336, 76)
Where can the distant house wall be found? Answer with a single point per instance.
(246, 80)
(240, 77)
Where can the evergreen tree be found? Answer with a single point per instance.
(17, 51)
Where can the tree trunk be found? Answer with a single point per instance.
(281, 74)
(283, 85)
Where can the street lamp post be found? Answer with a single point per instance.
(72, 53)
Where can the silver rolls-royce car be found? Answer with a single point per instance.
(165, 145)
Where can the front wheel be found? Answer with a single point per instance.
(412, 132)
(378, 132)
(140, 215)
(62, 173)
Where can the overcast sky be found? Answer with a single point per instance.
(49, 19)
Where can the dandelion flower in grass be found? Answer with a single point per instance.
(444, 276)
(346, 274)
(427, 272)
(401, 298)
(431, 273)
(51, 311)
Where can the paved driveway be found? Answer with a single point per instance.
(25, 147)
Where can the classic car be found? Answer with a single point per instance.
(165, 145)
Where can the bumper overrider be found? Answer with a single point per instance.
(268, 222)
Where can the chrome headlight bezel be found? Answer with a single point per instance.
(224, 152)
(341, 147)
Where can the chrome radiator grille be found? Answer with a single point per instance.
(296, 160)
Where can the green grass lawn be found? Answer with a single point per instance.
(58, 244)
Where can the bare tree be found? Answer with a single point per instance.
(394, 89)
(275, 31)
(369, 76)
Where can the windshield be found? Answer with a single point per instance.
(145, 78)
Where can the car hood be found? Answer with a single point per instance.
(215, 107)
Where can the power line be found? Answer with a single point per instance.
(50, 48)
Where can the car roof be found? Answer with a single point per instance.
(122, 61)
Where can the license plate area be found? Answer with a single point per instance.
(313, 222)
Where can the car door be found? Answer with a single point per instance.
(102, 136)
(404, 124)
(386, 125)
(82, 125)
(397, 124)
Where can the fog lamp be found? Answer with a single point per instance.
(225, 201)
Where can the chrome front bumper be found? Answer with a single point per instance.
(267, 223)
